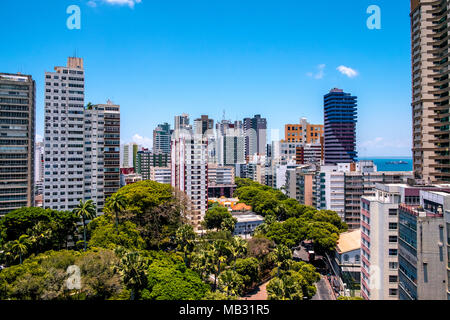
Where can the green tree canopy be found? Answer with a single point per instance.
(156, 209)
(104, 234)
(215, 217)
(35, 221)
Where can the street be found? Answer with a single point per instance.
(324, 291)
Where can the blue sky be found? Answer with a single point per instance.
(159, 58)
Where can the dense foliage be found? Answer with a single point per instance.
(156, 209)
(286, 221)
(142, 248)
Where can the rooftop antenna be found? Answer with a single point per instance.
(223, 115)
(75, 53)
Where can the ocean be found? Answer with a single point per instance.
(384, 165)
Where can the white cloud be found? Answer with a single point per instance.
(39, 138)
(349, 72)
(130, 3)
(143, 141)
(320, 73)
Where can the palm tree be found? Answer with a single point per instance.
(85, 211)
(238, 248)
(133, 269)
(185, 238)
(116, 204)
(20, 246)
(281, 254)
(218, 256)
(230, 282)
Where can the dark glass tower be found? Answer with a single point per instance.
(340, 127)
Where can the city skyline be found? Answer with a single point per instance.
(156, 68)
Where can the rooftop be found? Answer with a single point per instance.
(349, 241)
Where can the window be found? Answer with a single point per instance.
(392, 212)
(393, 279)
(392, 252)
(392, 226)
(393, 265)
(346, 257)
(393, 292)
(393, 239)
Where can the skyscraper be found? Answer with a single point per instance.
(230, 143)
(161, 138)
(430, 82)
(64, 136)
(182, 122)
(340, 127)
(129, 155)
(255, 131)
(203, 124)
(82, 145)
(39, 168)
(17, 135)
(189, 174)
(102, 152)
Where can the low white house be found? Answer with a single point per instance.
(246, 223)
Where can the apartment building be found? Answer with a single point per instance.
(81, 144)
(303, 132)
(64, 136)
(161, 174)
(339, 188)
(309, 153)
(300, 184)
(102, 152)
(339, 127)
(129, 155)
(17, 141)
(161, 138)
(424, 242)
(430, 81)
(148, 160)
(255, 132)
(189, 174)
(39, 168)
(403, 242)
(379, 242)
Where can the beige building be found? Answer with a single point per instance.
(430, 83)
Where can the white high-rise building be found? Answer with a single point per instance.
(128, 155)
(189, 174)
(39, 167)
(81, 145)
(64, 136)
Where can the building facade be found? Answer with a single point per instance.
(430, 81)
(255, 132)
(147, 161)
(339, 127)
(189, 174)
(17, 141)
(161, 138)
(303, 132)
(64, 136)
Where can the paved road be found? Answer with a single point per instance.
(259, 294)
(324, 291)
